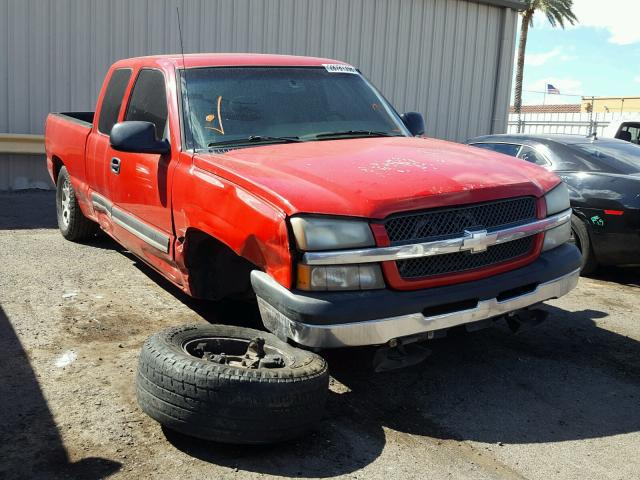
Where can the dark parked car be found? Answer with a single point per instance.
(603, 176)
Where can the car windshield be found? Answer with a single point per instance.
(254, 105)
(618, 157)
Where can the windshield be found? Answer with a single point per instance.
(613, 157)
(271, 104)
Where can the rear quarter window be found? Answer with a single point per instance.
(510, 149)
(112, 100)
(530, 155)
(633, 130)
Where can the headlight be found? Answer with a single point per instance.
(557, 236)
(313, 233)
(557, 199)
(340, 277)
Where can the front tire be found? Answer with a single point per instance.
(72, 223)
(580, 237)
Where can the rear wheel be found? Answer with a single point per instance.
(73, 224)
(580, 237)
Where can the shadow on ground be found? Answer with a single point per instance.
(31, 446)
(565, 380)
(28, 209)
(623, 275)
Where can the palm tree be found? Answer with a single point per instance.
(558, 12)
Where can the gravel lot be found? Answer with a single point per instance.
(558, 401)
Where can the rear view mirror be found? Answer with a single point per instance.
(414, 122)
(135, 136)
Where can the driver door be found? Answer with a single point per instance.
(139, 182)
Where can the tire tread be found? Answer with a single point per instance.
(229, 404)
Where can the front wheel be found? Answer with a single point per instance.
(580, 238)
(72, 223)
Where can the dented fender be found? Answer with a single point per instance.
(249, 225)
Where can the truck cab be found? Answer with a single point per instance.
(292, 179)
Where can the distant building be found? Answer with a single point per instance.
(561, 108)
(611, 104)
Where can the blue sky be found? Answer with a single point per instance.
(600, 56)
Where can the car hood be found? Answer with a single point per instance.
(374, 177)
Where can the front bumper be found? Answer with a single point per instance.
(341, 319)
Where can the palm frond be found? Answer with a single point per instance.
(558, 12)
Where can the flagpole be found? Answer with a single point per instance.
(544, 99)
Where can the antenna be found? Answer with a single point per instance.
(184, 66)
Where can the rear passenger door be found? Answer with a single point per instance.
(98, 151)
(139, 185)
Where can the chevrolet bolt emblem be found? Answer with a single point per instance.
(477, 241)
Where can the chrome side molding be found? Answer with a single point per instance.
(140, 229)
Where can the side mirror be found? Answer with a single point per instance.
(414, 122)
(139, 137)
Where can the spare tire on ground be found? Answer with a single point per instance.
(230, 384)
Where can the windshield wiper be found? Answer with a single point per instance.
(358, 133)
(255, 139)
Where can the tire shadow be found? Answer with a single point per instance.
(31, 444)
(339, 445)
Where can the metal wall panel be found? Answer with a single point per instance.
(448, 59)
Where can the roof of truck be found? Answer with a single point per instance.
(192, 60)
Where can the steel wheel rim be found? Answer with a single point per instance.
(65, 202)
(233, 348)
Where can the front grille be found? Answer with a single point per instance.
(463, 261)
(452, 222)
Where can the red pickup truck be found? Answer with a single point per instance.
(293, 179)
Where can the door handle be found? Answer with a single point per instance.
(115, 165)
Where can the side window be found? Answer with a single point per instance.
(634, 130)
(148, 101)
(530, 155)
(113, 100)
(510, 149)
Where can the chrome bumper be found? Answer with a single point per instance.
(380, 331)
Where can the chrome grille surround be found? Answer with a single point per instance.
(462, 243)
(443, 223)
(464, 261)
(439, 223)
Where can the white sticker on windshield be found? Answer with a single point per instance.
(339, 68)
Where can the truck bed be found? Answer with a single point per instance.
(78, 117)
(65, 139)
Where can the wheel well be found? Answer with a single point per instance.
(216, 271)
(57, 165)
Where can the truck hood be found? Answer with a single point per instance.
(374, 177)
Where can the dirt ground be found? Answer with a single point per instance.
(558, 401)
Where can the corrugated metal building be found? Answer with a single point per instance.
(448, 59)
